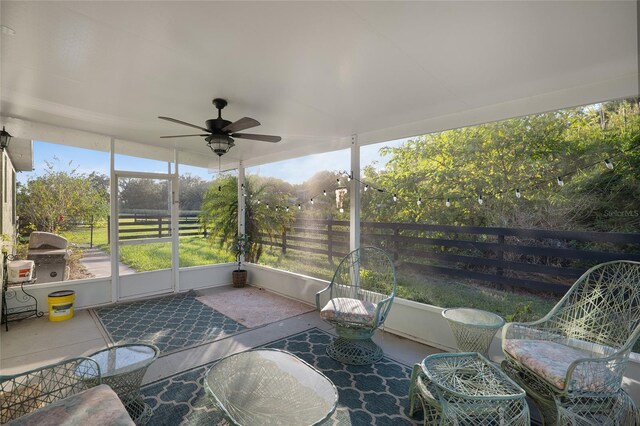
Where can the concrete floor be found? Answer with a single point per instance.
(35, 342)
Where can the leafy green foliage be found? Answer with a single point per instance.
(265, 213)
(55, 199)
(494, 159)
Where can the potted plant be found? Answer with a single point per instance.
(240, 247)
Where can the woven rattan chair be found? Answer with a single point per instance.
(23, 393)
(580, 349)
(359, 298)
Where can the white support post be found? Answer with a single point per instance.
(354, 210)
(113, 224)
(241, 202)
(175, 225)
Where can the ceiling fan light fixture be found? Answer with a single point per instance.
(219, 144)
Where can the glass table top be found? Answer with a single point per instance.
(474, 317)
(269, 387)
(123, 358)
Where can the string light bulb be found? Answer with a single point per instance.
(480, 200)
(349, 178)
(518, 193)
(299, 207)
(312, 201)
(366, 187)
(419, 200)
(267, 205)
(324, 192)
(395, 197)
(259, 201)
(276, 208)
(560, 181)
(287, 208)
(447, 203)
(341, 210)
(608, 163)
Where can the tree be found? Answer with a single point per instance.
(495, 159)
(55, 200)
(265, 211)
(192, 189)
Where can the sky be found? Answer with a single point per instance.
(298, 170)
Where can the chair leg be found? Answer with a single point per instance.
(354, 351)
(544, 400)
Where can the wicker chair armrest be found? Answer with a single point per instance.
(25, 392)
(323, 294)
(536, 330)
(382, 309)
(601, 375)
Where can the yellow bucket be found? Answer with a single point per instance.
(61, 305)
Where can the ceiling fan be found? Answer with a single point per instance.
(220, 132)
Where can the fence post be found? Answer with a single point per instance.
(330, 240)
(500, 256)
(396, 245)
(284, 241)
(109, 229)
(91, 234)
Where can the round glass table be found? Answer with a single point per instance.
(270, 387)
(473, 329)
(122, 367)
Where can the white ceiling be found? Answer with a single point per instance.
(312, 72)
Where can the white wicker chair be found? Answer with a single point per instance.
(359, 298)
(580, 349)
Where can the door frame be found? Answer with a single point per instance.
(173, 239)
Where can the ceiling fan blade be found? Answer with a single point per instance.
(242, 124)
(184, 123)
(263, 138)
(184, 136)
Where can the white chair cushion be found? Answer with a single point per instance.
(344, 309)
(551, 360)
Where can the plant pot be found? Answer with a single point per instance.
(239, 277)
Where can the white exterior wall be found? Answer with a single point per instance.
(7, 196)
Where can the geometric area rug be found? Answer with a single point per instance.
(367, 395)
(172, 323)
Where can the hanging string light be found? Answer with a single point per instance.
(608, 163)
(480, 198)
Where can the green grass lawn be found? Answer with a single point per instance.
(193, 251)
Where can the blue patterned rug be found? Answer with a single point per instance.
(368, 395)
(172, 323)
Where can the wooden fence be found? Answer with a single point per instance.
(142, 225)
(538, 260)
